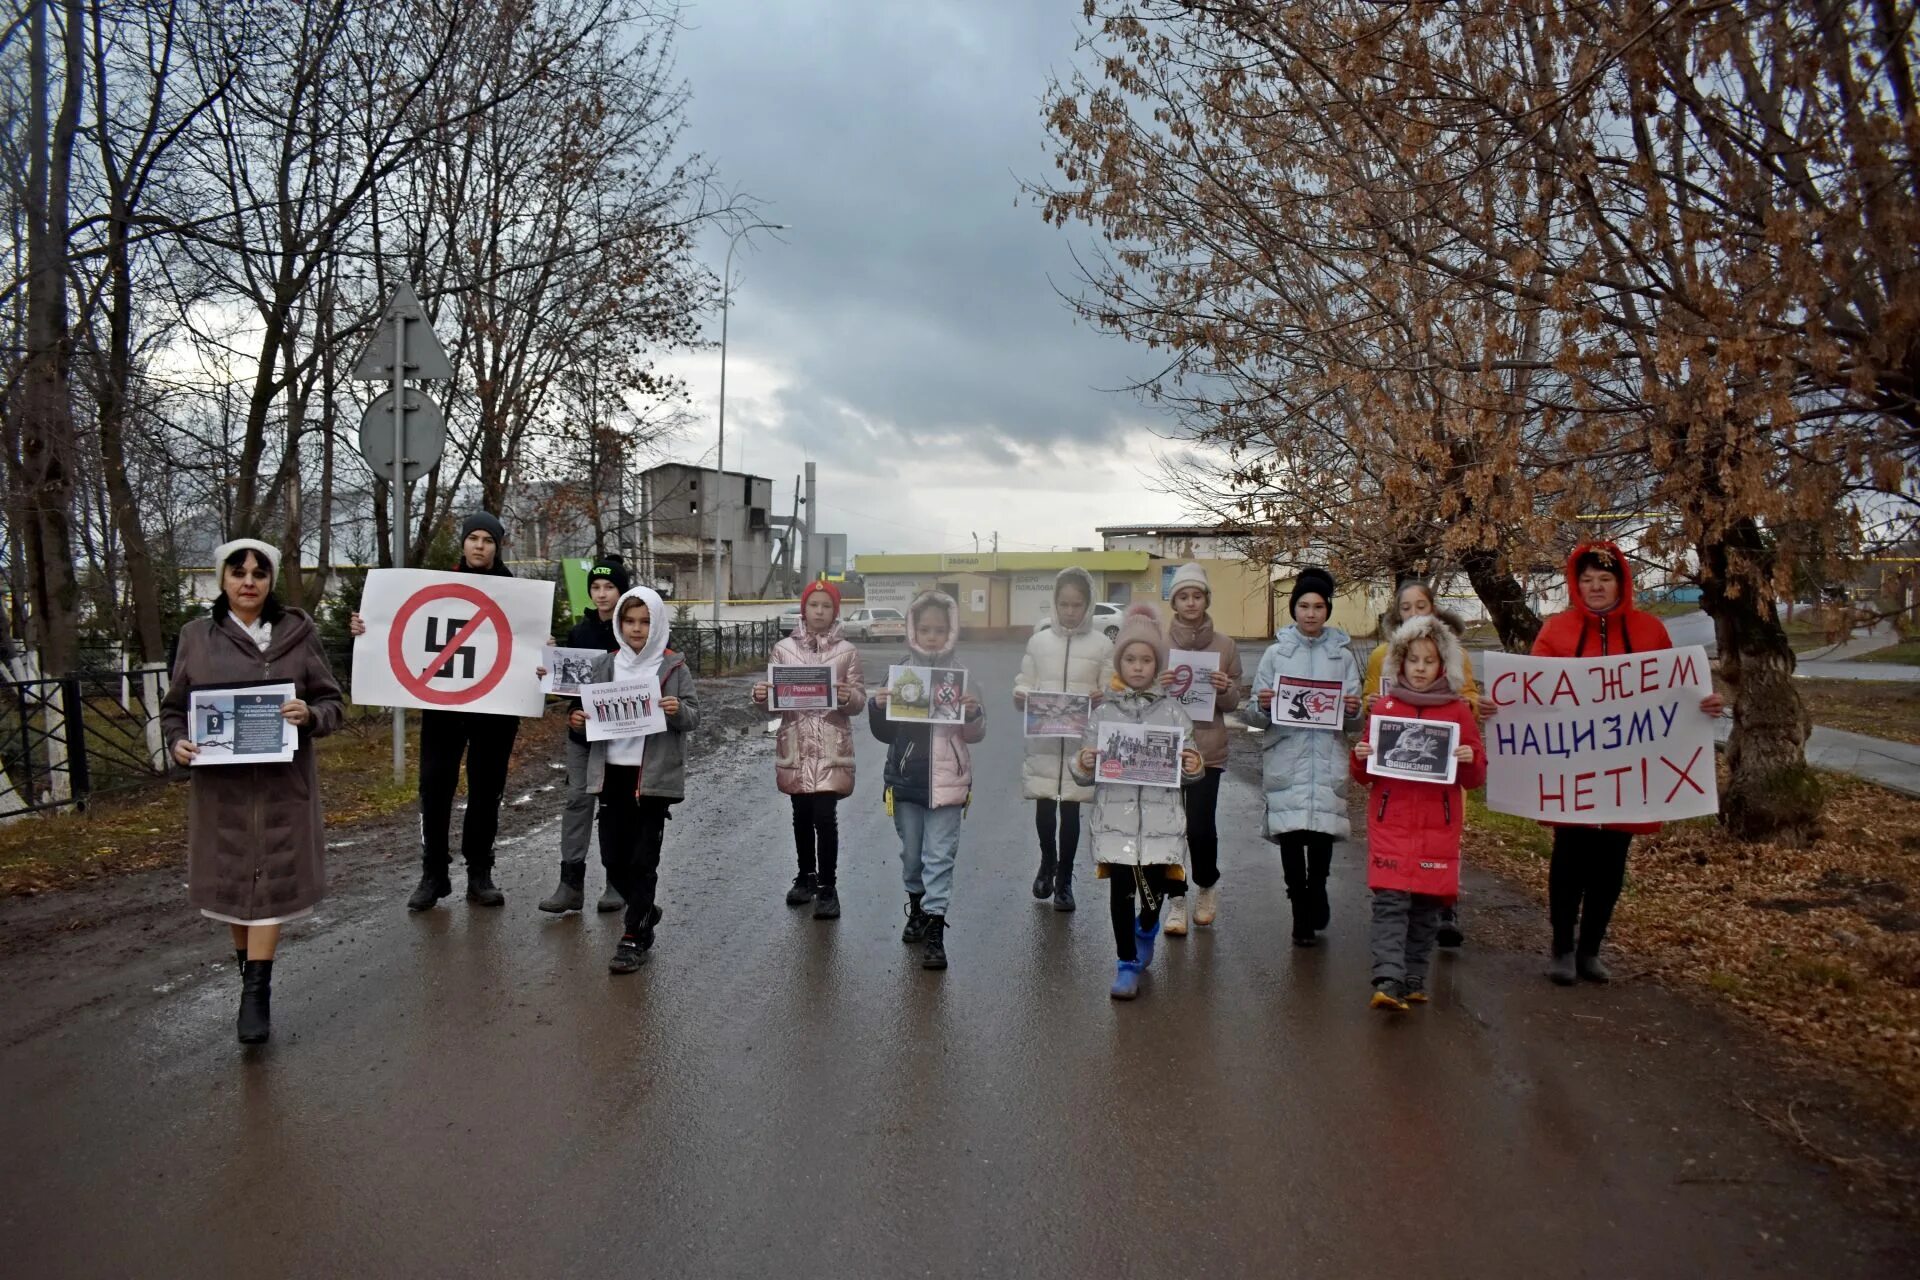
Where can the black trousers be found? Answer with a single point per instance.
(1306, 858)
(1589, 866)
(816, 835)
(1120, 882)
(632, 829)
(487, 743)
(1057, 855)
(1203, 836)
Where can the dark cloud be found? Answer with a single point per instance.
(914, 300)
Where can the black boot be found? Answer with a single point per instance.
(803, 891)
(916, 920)
(916, 929)
(433, 886)
(1302, 909)
(1063, 885)
(256, 1001)
(481, 890)
(1043, 883)
(826, 903)
(572, 893)
(1322, 909)
(935, 956)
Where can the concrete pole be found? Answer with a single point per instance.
(807, 567)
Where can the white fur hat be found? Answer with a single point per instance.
(270, 554)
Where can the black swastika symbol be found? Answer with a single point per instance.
(437, 640)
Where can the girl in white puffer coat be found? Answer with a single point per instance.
(1067, 657)
(1304, 770)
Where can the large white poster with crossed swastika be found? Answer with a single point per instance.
(452, 642)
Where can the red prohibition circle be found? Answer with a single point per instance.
(489, 611)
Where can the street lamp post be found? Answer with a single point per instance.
(720, 456)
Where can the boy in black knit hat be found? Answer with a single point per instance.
(607, 581)
(484, 739)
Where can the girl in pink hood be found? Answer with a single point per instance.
(929, 779)
(813, 756)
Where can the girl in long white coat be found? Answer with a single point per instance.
(1067, 657)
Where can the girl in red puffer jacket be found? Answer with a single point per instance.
(1413, 828)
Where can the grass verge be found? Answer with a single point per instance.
(147, 828)
(1907, 652)
(1882, 708)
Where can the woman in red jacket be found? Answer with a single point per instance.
(1590, 863)
(1413, 828)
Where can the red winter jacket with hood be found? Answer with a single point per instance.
(1581, 633)
(1413, 828)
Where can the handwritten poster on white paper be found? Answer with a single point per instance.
(1599, 740)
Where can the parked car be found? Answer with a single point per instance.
(789, 619)
(874, 624)
(1106, 617)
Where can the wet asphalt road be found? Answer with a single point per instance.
(469, 1092)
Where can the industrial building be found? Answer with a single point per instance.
(1007, 592)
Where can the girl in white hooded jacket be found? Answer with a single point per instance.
(638, 780)
(1068, 656)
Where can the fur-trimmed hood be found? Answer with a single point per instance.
(1428, 626)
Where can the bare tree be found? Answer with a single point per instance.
(555, 245)
(40, 411)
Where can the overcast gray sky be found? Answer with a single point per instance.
(907, 335)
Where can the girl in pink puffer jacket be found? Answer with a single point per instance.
(813, 756)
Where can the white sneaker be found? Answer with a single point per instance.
(1177, 917)
(1208, 907)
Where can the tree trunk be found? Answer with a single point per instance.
(1505, 599)
(382, 523)
(1771, 793)
(248, 519)
(114, 398)
(293, 530)
(46, 404)
(329, 336)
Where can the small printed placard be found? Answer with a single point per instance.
(1058, 715)
(801, 688)
(622, 709)
(242, 725)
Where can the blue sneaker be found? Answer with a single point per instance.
(1143, 940)
(1126, 981)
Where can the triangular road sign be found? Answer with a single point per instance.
(426, 358)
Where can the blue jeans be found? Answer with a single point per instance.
(929, 843)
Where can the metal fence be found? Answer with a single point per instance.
(97, 731)
(65, 740)
(726, 648)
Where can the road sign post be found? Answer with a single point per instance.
(429, 362)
